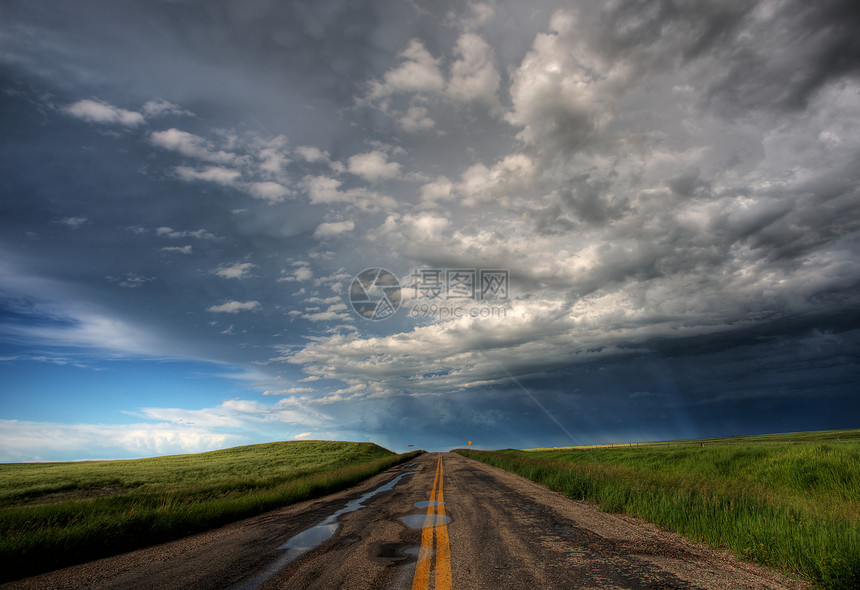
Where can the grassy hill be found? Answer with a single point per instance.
(791, 501)
(56, 514)
(776, 438)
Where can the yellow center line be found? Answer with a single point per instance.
(443, 551)
(434, 521)
(421, 580)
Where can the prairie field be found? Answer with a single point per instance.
(57, 514)
(790, 501)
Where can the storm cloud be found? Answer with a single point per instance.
(672, 188)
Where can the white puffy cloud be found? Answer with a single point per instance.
(217, 174)
(96, 111)
(178, 249)
(303, 273)
(527, 338)
(300, 273)
(190, 145)
(473, 75)
(480, 184)
(437, 190)
(417, 73)
(240, 413)
(336, 312)
(312, 154)
(253, 164)
(422, 227)
(268, 191)
(271, 155)
(372, 166)
(273, 192)
(324, 190)
(240, 270)
(169, 232)
(473, 78)
(158, 107)
(416, 120)
(235, 307)
(562, 90)
(38, 441)
(452, 354)
(329, 229)
(74, 222)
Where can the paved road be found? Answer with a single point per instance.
(441, 522)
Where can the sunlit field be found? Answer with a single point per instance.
(56, 514)
(789, 501)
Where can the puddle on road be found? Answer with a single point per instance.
(420, 521)
(307, 540)
(313, 537)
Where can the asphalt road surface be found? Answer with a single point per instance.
(441, 522)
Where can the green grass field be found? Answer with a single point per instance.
(57, 514)
(788, 501)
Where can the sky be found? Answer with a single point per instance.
(519, 224)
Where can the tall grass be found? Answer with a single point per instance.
(58, 514)
(791, 505)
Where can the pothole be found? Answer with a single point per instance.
(393, 554)
(421, 521)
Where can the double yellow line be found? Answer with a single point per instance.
(435, 521)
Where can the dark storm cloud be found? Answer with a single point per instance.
(787, 55)
(771, 55)
(295, 37)
(672, 186)
(665, 30)
(688, 184)
(588, 200)
(258, 57)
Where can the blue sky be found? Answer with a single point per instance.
(190, 188)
